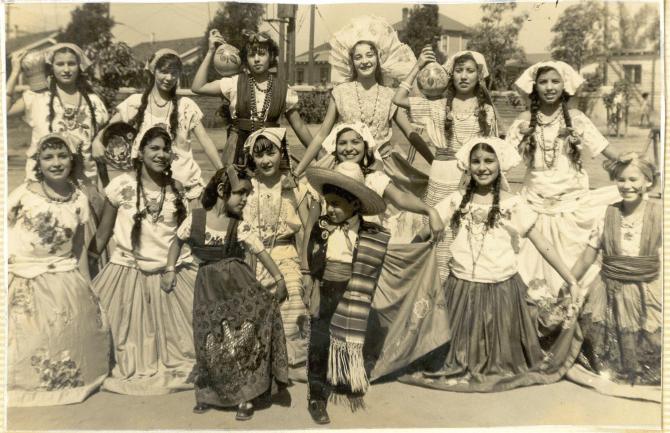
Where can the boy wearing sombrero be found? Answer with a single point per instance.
(344, 256)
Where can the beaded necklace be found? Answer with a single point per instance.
(256, 116)
(59, 198)
(549, 153)
(152, 209)
(370, 120)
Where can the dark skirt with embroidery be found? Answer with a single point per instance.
(239, 337)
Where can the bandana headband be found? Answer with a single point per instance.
(151, 65)
(256, 37)
(275, 135)
(476, 56)
(630, 158)
(330, 142)
(571, 78)
(73, 145)
(507, 157)
(84, 62)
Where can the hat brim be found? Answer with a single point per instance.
(371, 202)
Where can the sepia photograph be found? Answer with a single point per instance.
(262, 216)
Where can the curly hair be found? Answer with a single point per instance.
(167, 61)
(77, 167)
(494, 212)
(483, 99)
(251, 48)
(368, 160)
(378, 69)
(180, 208)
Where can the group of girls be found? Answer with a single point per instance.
(185, 301)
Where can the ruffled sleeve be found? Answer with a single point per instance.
(28, 100)
(592, 139)
(129, 106)
(184, 230)
(14, 204)
(292, 100)
(377, 181)
(83, 213)
(228, 86)
(101, 114)
(248, 237)
(522, 217)
(596, 236)
(448, 206)
(114, 191)
(514, 135)
(191, 114)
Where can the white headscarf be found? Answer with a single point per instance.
(84, 62)
(275, 135)
(507, 156)
(330, 142)
(476, 56)
(571, 78)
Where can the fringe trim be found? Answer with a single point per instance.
(346, 365)
(353, 402)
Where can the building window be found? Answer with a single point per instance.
(633, 73)
(300, 76)
(324, 76)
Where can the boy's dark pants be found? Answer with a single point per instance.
(319, 339)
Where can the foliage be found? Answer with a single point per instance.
(313, 105)
(423, 29)
(230, 20)
(88, 23)
(578, 34)
(497, 38)
(113, 67)
(639, 31)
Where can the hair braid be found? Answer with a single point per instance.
(136, 231)
(174, 114)
(573, 151)
(449, 121)
(84, 90)
(138, 119)
(180, 209)
(482, 114)
(494, 212)
(53, 90)
(528, 143)
(455, 222)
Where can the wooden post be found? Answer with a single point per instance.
(310, 69)
(290, 33)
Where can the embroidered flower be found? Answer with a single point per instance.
(56, 374)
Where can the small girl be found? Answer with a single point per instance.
(551, 138)
(239, 337)
(466, 111)
(275, 211)
(151, 325)
(494, 344)
(622, 321)
(58, 337)
(160, 105)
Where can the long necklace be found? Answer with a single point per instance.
(369, 121)
(630, 222)
(256, 116)
(275, 230)
(167, 113)
(549, 154)
(476, 233)
(153, 97)
(58, 199)
(152, 208)
(69, 113)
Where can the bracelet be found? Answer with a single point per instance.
(305, 272)
(170, 269)
(405, 86)
(278, 278)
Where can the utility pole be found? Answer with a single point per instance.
(310, 68)
(606, 41)
(290, 49)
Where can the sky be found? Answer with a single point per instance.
(139, 22)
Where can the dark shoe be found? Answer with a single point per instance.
(201, 408)
(245, 412)
(317, 409)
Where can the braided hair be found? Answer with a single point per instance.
(210, 197)
(483, 99)
(528, 144)
(82, 86)
(368, 160)
(378, 69)
(180, 208)
(167, 61)
(494, 212)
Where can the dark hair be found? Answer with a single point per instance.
(263, 145)
(528, 143)
(77, 168)
(483, 99)
(494, 212)
(250, 48)
(368, 157)
(165, 61)
(329, 188)
(82, 85)
(180, 209)
(378, 69)
(209, 198)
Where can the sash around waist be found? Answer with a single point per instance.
(641, 269)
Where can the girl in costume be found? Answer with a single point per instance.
(464, 112)
(58, 336)
(366, 56)
(551, 139)
(239, 338)
(151, 325)
(160, 105)
(256, 96)
(69, 105)
(622, 320)
(494, 344)
(274, 210)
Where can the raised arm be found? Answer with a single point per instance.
(97, 149)
(200, 84)
(19, 106)
(315, 145)
(415, 139)
(299, 127)
(208, 146)
(401, 97)
(410, 202)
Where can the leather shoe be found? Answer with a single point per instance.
(245, 412)
(317, 409)
(201, 408)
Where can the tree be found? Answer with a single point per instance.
(423, 29)
(230, 20)
(498, 40)
(578, 34)
(88, 22)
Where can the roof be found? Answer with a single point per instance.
(321, 53)
(447, 24)
(144, 50)
(20, 42)
(531, 59)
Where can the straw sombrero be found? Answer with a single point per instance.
(348, 176)
(118, 141)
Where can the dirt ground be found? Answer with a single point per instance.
(390, 405)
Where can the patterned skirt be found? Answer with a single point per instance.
(59, 342)
(151, 329)
(239, 336)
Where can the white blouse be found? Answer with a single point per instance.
(228, 87)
